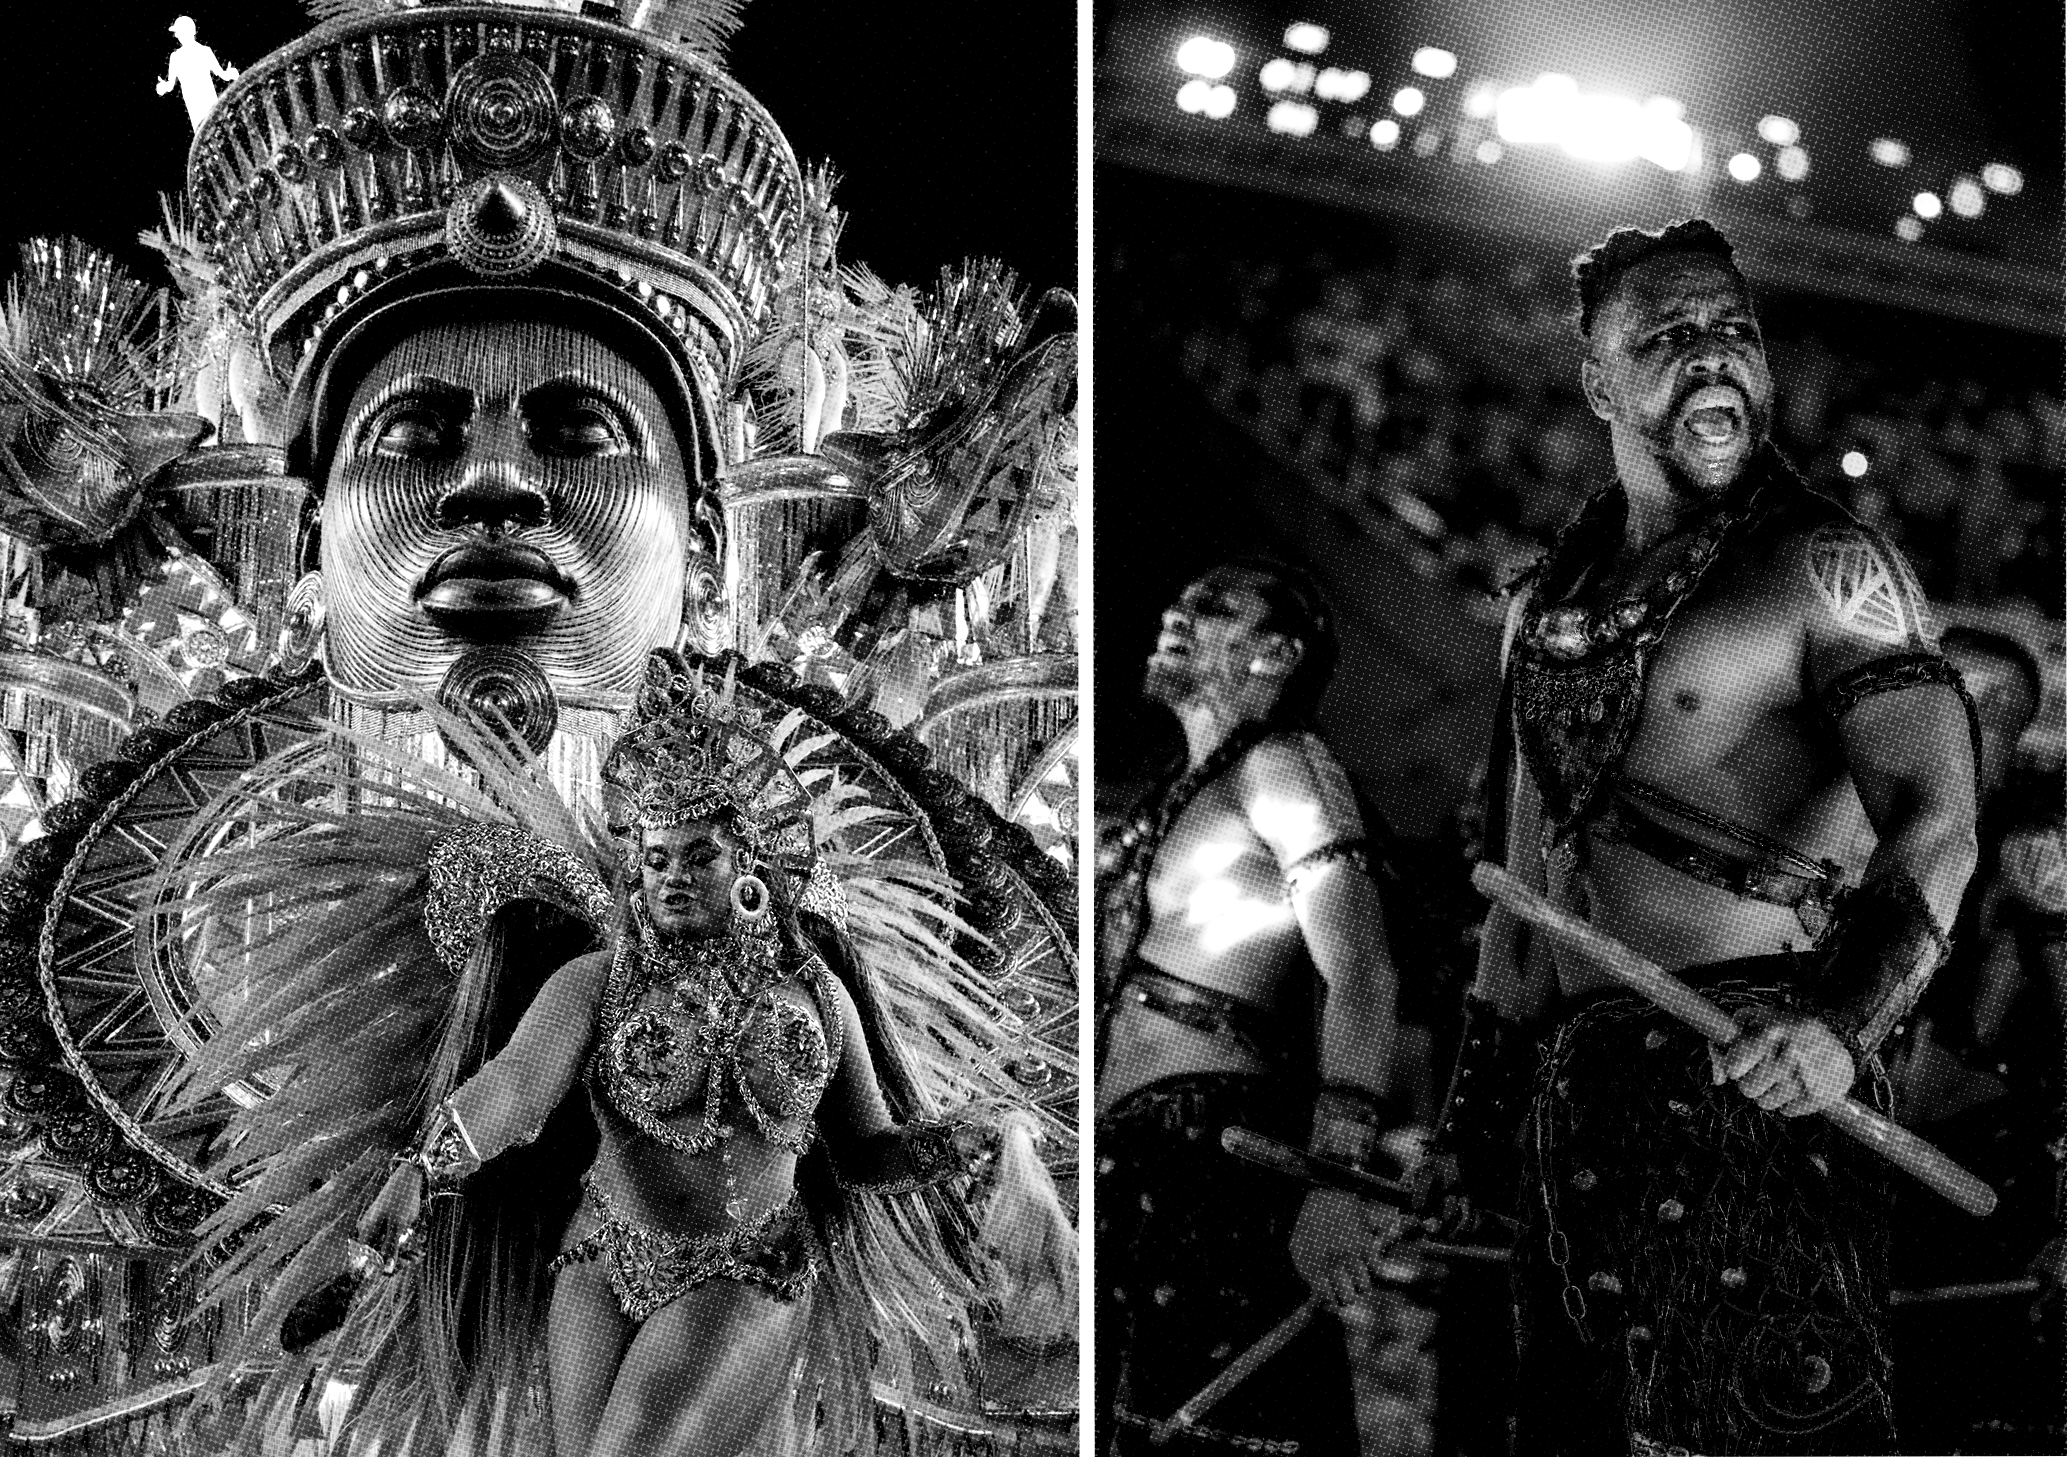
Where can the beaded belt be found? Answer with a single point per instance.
(1254, 1028)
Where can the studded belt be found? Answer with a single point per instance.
(1777, 876)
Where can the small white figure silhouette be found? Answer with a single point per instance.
(194, 66)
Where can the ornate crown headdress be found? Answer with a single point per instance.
(697, 748)
(497, 137)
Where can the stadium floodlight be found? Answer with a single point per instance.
(1890, 152)
(1346, 86)
(1307, 37)
(1281, 74)
(1553, 111)
(1291, 118)
(1205, 56)
(2004, 180)
(1433, 62)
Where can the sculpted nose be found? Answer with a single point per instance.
(495, 495)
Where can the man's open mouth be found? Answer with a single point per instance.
(1715, 414)
(494, 586)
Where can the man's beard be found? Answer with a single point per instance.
(1666, 439)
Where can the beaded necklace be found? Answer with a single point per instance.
(1579, 674)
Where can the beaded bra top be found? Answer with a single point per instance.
(705, 1029)
(1578, 673)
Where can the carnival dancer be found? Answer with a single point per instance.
(1709, 682)
(755, 1229)
(1252, 985)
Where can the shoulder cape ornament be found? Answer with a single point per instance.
(477, 870)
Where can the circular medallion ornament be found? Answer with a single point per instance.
(501, 110)
(301, 630)
(704, 607)
(588, 128)
(413, 117)
(502, 685)
(501, 227)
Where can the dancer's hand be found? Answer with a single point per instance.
(1787, 1062)
(390, 1223)
(1340, 1242)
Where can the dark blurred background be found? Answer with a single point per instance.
(1334, 322)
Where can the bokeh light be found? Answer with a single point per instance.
(1791, 163)
(1307, 38)
(1778, 131)
(1206, 56)
(1855, 463)
(1408, 101)
(1291, 118)
(1890, 152)
(1927, 205)
(1386, 133)
(1743, 167)
(1433, 62)
(1910, 228)
(2003, 180)
(1966, 198)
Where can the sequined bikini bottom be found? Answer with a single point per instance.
(778, 1250)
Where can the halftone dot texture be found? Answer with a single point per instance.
(1348, 333)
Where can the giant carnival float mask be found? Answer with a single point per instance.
(509, 259)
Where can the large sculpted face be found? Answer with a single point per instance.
(510, 482)
(1210, 638)
(1677, 367)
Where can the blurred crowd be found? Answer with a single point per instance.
(1438, 402)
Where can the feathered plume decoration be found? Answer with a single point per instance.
(973, 323)
(81, 341)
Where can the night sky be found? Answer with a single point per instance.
(953, 125)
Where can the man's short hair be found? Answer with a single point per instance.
(1296, 607)
(1966, 644)
(1596, 272)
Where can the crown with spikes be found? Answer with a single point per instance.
(500, 137)
(696, 749)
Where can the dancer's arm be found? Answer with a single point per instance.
(502, 1105)
(869, 1150)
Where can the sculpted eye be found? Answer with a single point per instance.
(410, 429)
(576, 424)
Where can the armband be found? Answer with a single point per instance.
(1897, 672)
(1350, 852)
(910, 1157)
(1346, 1125)
(446, 1155)
(1884, 948)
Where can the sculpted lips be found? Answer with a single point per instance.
(494, 584)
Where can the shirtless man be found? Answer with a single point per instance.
(1711, 681)
(1253, 987)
